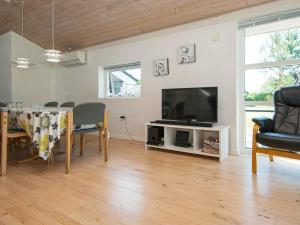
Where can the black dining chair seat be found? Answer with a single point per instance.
(279, 140)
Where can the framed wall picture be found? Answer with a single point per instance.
(186, 53)
(161, 67)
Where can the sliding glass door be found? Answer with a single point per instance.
(272, 61)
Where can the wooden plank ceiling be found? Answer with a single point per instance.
(83, 23)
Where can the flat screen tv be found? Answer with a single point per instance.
(190, 104)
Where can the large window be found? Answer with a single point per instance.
(272, 61)
(123, 80)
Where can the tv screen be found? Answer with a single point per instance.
(190, 104)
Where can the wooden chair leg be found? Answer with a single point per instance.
(100, 139)
(254, 146)
(254, 161)
(18, 143)
(10, 145)
(105, 144)
(271, 158)
(72, 141)
(51, 158)
(81, 143)
(32, 151)
(29, 145)
(57, 144)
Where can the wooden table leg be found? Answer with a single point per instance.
(69, 133)
(3, 143)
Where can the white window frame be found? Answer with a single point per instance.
(107, 73)
(242, 67)
(264, 65)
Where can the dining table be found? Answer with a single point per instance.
(44, 126)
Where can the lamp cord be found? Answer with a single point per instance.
(22, 40)
(52, 23)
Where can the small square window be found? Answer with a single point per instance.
(123, 80)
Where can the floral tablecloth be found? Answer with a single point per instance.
(44, 126)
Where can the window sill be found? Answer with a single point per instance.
(125, 97)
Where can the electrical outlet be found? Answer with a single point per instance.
(122, 117)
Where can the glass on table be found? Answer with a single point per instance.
(19, 105)
(11, 105)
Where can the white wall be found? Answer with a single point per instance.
(33, 86)
(37, 84)
(5, 68)
(215, 66)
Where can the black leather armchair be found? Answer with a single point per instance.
(279, 136)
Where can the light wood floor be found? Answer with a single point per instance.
(150, 187)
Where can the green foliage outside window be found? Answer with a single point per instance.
(280, 46)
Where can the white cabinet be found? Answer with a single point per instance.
(208, 141)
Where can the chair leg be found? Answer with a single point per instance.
(10, 145)
(51, 158)
(57, 144)
(271, 158)
(105, 144)
(254, 146)
(32, 151)
(100, 139)
(18, 143)
(72, 141)
(81, 143)
(254, 161)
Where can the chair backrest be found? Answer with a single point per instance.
(68, 104)
(89, 113)
(51, 104)
(2, 104)
(287, 110)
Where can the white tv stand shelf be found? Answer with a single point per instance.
(196, 139)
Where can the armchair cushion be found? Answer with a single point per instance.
(279, 140)
(266, 124)
(287, 110)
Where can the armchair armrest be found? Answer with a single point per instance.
(265, 124)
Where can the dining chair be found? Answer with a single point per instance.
(51, 104)
(12, 134)
(68, 104)
(16, 137)
(88, 118)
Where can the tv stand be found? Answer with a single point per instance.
(184, 123)
(206, 141)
